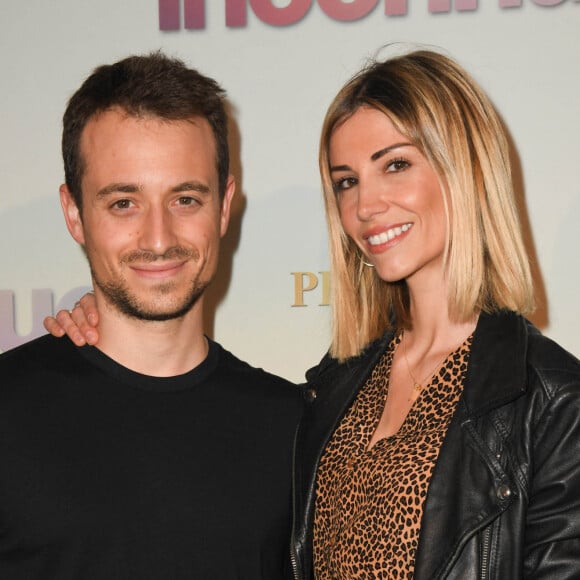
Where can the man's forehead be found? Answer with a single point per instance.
(121, 114)
(116, 142)
(105, 126)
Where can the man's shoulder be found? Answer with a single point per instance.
(258, 391)
(38, 355)
(241, 371)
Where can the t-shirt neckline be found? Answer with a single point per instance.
(187, 380)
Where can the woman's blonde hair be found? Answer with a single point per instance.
(436, 104)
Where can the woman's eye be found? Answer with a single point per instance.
(397, 165)
(343, 184)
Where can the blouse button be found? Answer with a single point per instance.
(503, 491)
(310, 395)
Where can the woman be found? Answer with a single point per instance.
(442, 437)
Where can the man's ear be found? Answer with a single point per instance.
(72, 215)
(227, 204)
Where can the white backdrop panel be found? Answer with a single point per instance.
(280, 80)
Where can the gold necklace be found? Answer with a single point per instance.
(418, 386)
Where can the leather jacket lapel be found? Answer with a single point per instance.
(468, 474)
(497, 363)
(333, 392)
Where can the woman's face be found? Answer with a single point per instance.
(389, 198)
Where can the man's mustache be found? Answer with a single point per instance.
(176, 252)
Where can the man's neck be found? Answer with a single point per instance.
(160, 349)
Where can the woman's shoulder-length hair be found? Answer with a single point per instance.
(437, 105)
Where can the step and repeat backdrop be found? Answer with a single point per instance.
(281, 62)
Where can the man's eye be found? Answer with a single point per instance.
(122, 204)
(186, 200)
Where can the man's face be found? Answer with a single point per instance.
(152, 218)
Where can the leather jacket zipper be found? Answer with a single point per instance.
(294, 565)
(293, 558)
(485, 552)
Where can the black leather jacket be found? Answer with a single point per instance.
(504, 498)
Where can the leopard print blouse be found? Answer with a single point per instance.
(369, 503)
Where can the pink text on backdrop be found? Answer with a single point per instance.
(236, 11)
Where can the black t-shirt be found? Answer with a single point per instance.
(106, 474)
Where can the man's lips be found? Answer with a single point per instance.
(157, 270)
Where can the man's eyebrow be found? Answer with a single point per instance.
(376, 155)
(135, 188)
(191, 186)
(118, 188)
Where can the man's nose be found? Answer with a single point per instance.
(158, 233)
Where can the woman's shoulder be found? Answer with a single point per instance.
(552, 364)
(330, 367)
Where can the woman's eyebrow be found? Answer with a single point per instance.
(378, 154)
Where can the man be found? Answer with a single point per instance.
(155, 454)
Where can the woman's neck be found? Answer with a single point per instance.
(434, 329)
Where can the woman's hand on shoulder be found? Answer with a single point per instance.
(79, 324)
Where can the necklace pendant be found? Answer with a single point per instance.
(417, 386)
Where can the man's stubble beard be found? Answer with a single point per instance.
(118, 295)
